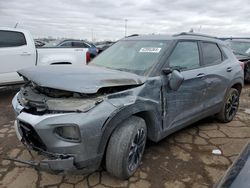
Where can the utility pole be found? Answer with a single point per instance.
(92, 34)
(125, 27)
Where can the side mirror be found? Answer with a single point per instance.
(175, 80)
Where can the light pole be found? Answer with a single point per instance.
(92, 34)
(125, 27)
(16, 25)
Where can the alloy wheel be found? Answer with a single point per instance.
(136, 149)
(232, 105)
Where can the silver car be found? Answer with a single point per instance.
(142, 87)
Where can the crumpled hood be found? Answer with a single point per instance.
(82, 79)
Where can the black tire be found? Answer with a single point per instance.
(230, 106)
(247, 72)
(126, 142)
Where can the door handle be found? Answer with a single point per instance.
(201, 75)
(229, 69)
(25, 54)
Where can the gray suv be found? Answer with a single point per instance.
(142, 87)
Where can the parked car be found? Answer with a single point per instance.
(101, 46)
(39, 43)
(241, 49)
(143, 87)
(238, 173)
(18, 51)
(74, 44)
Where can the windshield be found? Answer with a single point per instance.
(243, 48)
(132, 56)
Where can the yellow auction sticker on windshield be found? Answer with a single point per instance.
(150, 50)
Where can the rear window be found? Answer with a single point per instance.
(80, 45)
(211, 53)
(12, 39)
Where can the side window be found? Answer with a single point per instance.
(66, 44)
(11, 39)
(185, 56)
(80, 45)
(211, 53)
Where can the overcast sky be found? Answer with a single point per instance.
(78, 18)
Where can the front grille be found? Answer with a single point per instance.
(31, 137)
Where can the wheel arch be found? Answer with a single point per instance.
(143, 110)
(237, 83)
(237, 86)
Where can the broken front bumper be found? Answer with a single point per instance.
(60, 162)
(62, 154)
(56, 165)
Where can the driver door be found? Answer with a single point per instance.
(185, 104)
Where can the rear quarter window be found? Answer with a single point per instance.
(80, 45)
(66, 44)
(12, 39)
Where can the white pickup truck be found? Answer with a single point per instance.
(18, 51)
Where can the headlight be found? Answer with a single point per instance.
(69, 133)
(73, 104)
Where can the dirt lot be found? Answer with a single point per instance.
(182, 160)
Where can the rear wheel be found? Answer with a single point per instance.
(247, 72)
(230, 106)
(126, 147)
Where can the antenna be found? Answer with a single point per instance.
(125, 27)
(16, 25)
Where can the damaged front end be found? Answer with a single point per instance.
(40, 100)
(61, 110)
(64, 127)
(33, 106)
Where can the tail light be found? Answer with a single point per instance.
(242, 64)
(87, 57)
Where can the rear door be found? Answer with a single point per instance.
(15, 53)
(187, 103)
(218, 69)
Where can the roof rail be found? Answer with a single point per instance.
(232, 38)
(133, 35)
(195, 34)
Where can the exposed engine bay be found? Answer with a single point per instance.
(40, 100)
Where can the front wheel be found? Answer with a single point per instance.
(126, 147)
(230, 106)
